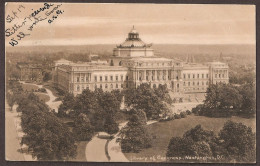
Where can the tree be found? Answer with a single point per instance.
(223, 96)
(180, 147)
(195, 142)
(163, 93)
(67, 104)
(86, 102)
(141, 114)
(111, 127)
(239, 142)
(109, 103)
(46, 136)
(46, 76)
(10, 100)
(118, 94)
(134, 137)
(83, 130)
(144, 98)
(199, 134)
(248, 93)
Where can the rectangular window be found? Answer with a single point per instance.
(111, 78)
(184, 76)
(77, 79)
(198, 83)
(82, 79)
(193, 75)
(100, 86)
(188, 83)
(216, 75)
(116, 78)
(198, 76)
(96, 78)
(207, 75)
(183, 83)
(219, 75)
(106, 78)
(188, 75)
(126, 77)
(193, 83)
(122, 78)
(222, 75)
(87, 79)
(147, 78)
(202, 75)
(100, 78)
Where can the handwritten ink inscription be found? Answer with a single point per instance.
(19, 27)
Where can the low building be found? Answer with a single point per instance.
(134, 63)
(30, 72)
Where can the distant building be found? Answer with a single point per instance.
(133, 63)
(30, 71)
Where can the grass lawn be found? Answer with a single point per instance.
(29, 87)
(42, 96)
(164, 131)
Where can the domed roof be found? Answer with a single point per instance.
(133, 43)
(133, 40)
(133, 30)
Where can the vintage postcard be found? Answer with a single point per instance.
(93, 82)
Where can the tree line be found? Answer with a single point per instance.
(224, 100)
(46, 136)
(234, 143)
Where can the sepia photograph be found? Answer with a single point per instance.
(130, 82)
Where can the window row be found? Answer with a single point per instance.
(195, 76)
(194, 89)
(220, 76)
(194, 83)
(111, 78)
(102, 86)
(101, 78)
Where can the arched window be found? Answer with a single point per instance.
(111, 86)
(106, 86)
(78, 88)
(100, 86)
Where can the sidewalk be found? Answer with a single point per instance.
(95, 150)
(13, 136)
(114, 149)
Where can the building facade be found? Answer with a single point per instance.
(133, 63)
(30, 71)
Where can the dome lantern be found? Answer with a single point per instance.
(133, 34)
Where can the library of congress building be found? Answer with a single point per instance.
(133, 63)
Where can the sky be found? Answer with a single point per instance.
(85, 23)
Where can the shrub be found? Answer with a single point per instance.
(183, 114)
(43, 90)
(177, 116)
(188, 112)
